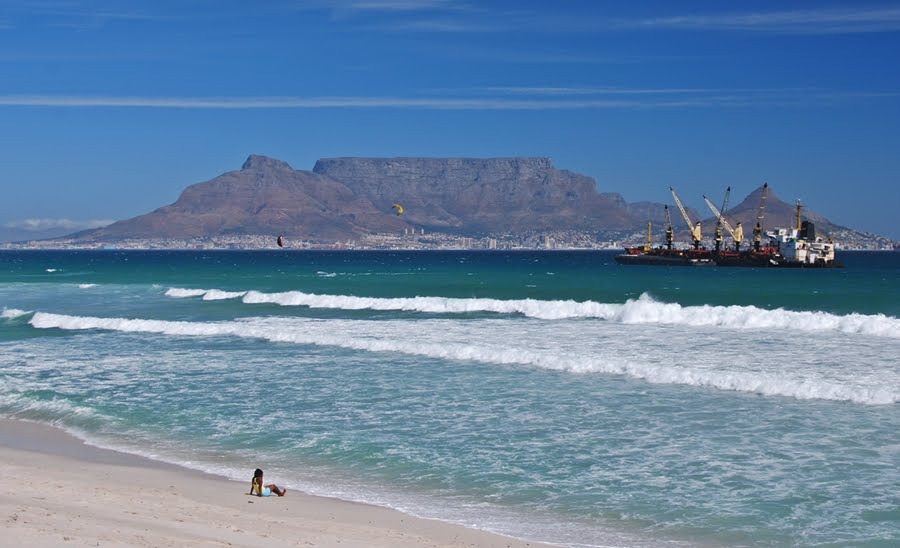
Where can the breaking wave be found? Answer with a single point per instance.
(206, 294)
(10, 313)
(643, 310)
(432, 340)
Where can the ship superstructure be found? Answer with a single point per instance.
(800, 244)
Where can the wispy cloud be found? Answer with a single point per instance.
(446, 25)
(451, 16)
(81, 16)
(401, 5)
(413, 16)
(821, 21)
(486, 98)
(570, 91)
(57, 224)
(441, 103)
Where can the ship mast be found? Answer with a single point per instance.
(649, 244)
(758, 230)
(718, 233)
(670, 232)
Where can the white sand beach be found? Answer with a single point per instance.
(59, 491)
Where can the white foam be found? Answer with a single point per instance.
(547, 310)
(51, 269)
(509, 342)
(10, 313)
(644, 310)
(86, 286)
(24, 407)
(218, 295)
(206, 294)
(180, 293)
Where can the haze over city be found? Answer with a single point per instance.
(110, 109)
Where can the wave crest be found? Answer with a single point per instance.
(505, 346)
(11, 313)
(643, 310)
(206, 294)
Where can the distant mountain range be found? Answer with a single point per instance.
(345, 198)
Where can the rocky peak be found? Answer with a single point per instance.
(258, 162)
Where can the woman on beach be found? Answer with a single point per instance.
(260, 490)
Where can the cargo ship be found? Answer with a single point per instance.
(666, 257)
(796, 247)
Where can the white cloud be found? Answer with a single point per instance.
(823, 21)
(57, 224)
(492, 98)
(398, 5)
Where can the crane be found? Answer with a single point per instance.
(670, 232)
(737, 233)
(694, 229)
(649, 245)
(720, 218)
(758, 230)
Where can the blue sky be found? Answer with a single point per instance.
(109, 109)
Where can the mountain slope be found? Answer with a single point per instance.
(266, 196)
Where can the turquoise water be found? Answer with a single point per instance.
(554, 396)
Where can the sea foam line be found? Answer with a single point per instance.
(643, 310)
(206, 294)
(346, 334)
(10, 313)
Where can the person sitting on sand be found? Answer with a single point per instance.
(258, 488)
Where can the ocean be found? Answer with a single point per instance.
(554, 396)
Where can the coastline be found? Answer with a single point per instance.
(65, 491)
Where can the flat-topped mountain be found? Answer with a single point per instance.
(480, 196)
(345, 198)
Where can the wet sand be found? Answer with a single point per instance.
(59, 491)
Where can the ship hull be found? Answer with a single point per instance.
(663, 259)
(746, 259)
(767, 260)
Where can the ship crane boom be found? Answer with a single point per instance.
(696, 235)
(694, 229)
(736, 233)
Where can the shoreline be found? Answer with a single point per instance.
(66, 491)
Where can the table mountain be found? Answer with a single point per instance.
(344, 198)
(480, 196)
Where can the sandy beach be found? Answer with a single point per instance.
(60, 491)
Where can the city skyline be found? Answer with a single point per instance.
(111, 109)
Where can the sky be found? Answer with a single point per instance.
(110, 108)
